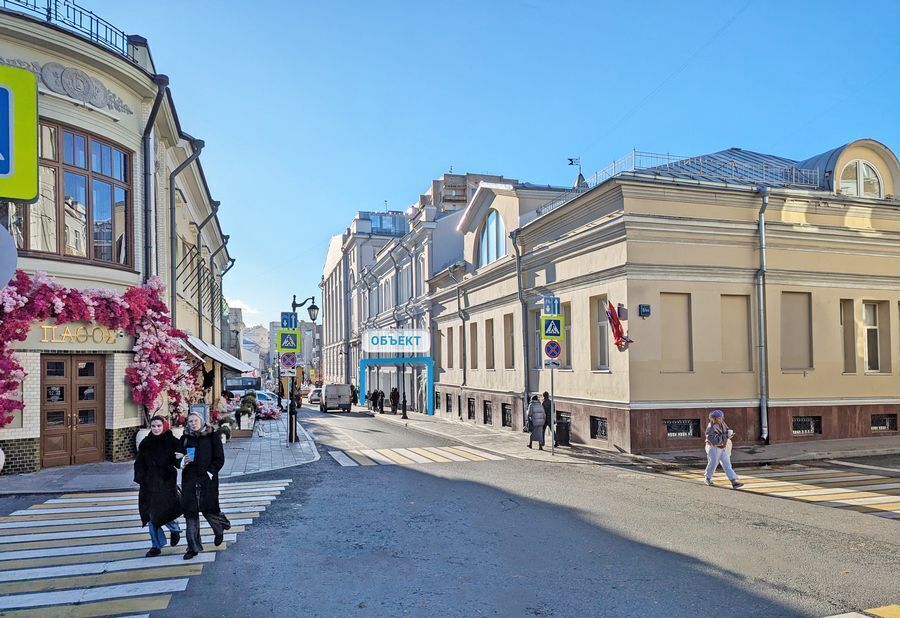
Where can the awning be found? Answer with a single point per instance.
(218, 354)
(190, 350)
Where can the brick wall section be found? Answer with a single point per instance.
(23, 455)
(120, 443)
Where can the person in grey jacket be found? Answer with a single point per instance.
(717, 436)
(537, 418)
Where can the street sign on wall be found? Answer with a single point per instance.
(18, 134)
(288, 340)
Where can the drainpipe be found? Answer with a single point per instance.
(394, 308)
(162, 82)
(462, 318)
(514, 236)
(197, 146)
(761, 320)
(212, 315)
(215, 209)
(222, 283)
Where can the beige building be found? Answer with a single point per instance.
(109, 139)
(700, 256)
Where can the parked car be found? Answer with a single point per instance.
(315, 396)
(335, 397)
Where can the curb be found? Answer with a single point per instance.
(694, 460)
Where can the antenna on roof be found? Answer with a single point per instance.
(385, 206)
(451, 169)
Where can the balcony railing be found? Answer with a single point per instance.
(74, 18)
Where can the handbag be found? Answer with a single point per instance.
(529, 426)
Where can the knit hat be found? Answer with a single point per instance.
(716, 414)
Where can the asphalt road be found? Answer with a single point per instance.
(524, 538)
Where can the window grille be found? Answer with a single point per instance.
(807, 425)
(682, 427)
(599, 428)
(488, 413)
(884, 422)
(506, 412)
(471, 410)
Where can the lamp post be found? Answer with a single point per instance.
(313, 311)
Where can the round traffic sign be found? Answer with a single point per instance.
(288, 360)
(552, 349)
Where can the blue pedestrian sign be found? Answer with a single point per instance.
(288, 320)
(551, 305)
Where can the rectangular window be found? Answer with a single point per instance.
(437, 400)
(848, 335)
(682, 427)
(438, 346)
(884, 422)
(600, 335)
(599, 428)
(470, 411)
(870, 320)
(449, 404)
(506, 412)
(737, 348)
(509, 349)
(13, 219)
(84, 191)
(488, 413)
(489, 344)
(450, 348)
(537, 350)
(806, 425)
(473, 345)
(676, 340)
(567, 339)
(796, 330)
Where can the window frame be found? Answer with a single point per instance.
(872, 327)
(60, 168)
(492, 239)
(602, 336)
(859, 179)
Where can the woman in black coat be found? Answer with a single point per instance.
(200, 482)
(154, 470)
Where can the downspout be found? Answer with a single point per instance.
(197, 147)
(162, 82)
(394, 308)
(212, 279)
(462, 319)
(761, 320)
(514, 236)
(215, 209)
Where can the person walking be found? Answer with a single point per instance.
(369, 400)
(395, 400)
(204, 457)
(717, 452)
(380, 401)
(159, 503)
(537, 419)
(548, 413)
(354, 394)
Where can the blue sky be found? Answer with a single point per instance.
(312, 111)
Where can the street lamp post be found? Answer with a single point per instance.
(313, 310)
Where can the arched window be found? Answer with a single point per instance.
(860, 178)
(493, 239)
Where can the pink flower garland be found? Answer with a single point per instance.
(158, 357)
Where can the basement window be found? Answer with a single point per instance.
(437, 400)
(471, 409)
(599, 428)
(506, 412)
(488, 413)
(806, 425)
(682, 427)
(884, 422)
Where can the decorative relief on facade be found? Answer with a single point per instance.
(73, 83)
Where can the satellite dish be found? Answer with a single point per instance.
(8, 257)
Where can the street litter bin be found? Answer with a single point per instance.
(563, 426)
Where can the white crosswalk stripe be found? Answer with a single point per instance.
(410, 456)
(342, 459)
(84, 553)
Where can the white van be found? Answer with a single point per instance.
(335, 397)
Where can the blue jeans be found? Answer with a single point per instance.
(158, 537)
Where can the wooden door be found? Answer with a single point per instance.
(72, 410)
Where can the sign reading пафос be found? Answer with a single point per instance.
(396, 340)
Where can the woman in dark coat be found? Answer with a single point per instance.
(154, 470)
(200, 482)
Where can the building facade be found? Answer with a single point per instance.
(109, 138)
(697, 256)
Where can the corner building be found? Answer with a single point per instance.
(676, 244)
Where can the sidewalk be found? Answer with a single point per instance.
(508, 443)
(266, 450)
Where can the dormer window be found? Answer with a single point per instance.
(493, 239)
(860, 178)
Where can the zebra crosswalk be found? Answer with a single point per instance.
(82, 554)
(874, 494)
(410, 456)
(885, 611)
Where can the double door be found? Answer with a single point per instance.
(72, 410)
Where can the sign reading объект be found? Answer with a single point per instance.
(395, 340)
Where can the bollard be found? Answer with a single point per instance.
(403, 407)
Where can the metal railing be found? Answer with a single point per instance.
(699, 168)
(76, 19)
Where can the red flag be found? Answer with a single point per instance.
(621, 339)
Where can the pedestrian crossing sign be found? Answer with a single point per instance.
(288, 340)
(18, 134)
(552, 326)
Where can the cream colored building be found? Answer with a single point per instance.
(679, 241)
(109, 138)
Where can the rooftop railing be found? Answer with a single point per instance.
(74, 18)
(711, 168)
